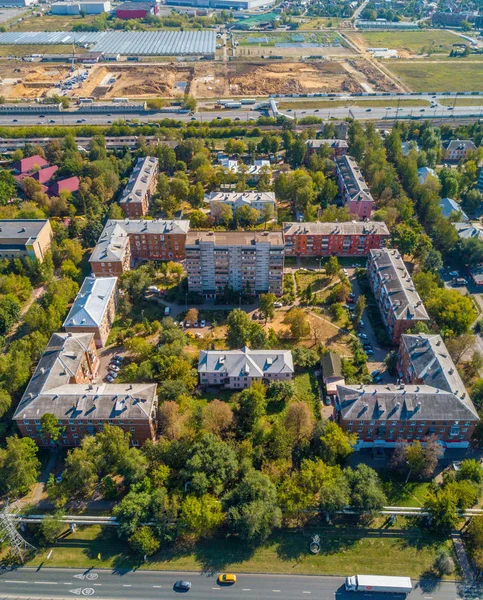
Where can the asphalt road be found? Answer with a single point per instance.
(149, 585)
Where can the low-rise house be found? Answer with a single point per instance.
(354, 238)
(399, 303)
(456, 150)
(29, 165)
(94, 308)
(25, 238)
(336, 147)
(451, 208)
(141, 186)
(331, 365)
(235, 200)
(424, 173)
(237, 369)
(63, 385)
(45, 175)
(467, 231)
(123, 241)
(406, 147)
(353, 188)
(71, 184)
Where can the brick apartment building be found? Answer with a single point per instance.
(22, 238)
(456, 150)
(62, 384)
(429, 400)
(356, 238)
(94, 308)
(124, 241)
(236, 369)
(353, 188)
(399, 303)
(141, 186)
(250, 261)
(336, 147)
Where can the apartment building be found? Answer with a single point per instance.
(353, 188)
(236, 369)
(141, 186)
(356, 238)
(336, 147)
(94, 308)
(235, 200)
(25, 238)
(134, 240)
(399, 303)
(250, 261)
(63, 385)
(456, 150)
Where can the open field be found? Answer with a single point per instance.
(320, 23)
(395, 553)
(438, 77)
(327, 104)
(462, 101)
(285, 43)
(51, 23)
(293, 51)
(26, 49)
(408, 42)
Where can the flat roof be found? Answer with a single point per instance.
(345, 228)
(20, 230)
(234, 238)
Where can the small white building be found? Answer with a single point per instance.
(235, 200)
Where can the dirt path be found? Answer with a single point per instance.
(37, 293)
(359, 77)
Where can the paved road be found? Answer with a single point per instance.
(148, 585)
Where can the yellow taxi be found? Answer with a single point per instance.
(227, 578)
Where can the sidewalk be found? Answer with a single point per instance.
(466, 569)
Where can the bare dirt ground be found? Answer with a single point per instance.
(29, 81)
(369, 77)
(293, 52)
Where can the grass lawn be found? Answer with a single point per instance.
(400, 493)
(383, 551)
(319, 23)
(327, 104)
(52, 23)
(441, 77)
(478, 101)
(415, 42)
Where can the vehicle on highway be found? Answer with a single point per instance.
(182, 585)
(368, 109)
(378, 583)
(15, 121)
(227, 578)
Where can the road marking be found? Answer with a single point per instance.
(246, 590)
(12, 581)
(275, 590)
(156, 586)
(217, 588)
(127, 585)
(97, 584)
(46, 582)
(306, 592)
(76, 591)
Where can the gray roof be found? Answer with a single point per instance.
(345, 228)
(20, 230)
(50, 389)
(401, 403)
(431, 362)
(241, 197)
(424, 173)
(91, 302)
(235, 238)
(329, 142)
(469, 230)
(140, 180)
(453, 145)
(449, 206)
(237, 363)
(353, 179)
(114, 239)
(331, 365)
(399, 287)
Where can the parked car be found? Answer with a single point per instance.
(277, 305)
(187, 324)
(113, 374)
(109, 378)
(369, 352)
(454, 274)
(378, 379)
(363, 336)
(114, 367)
(375, 373)
(361, 323)
(118, 358)
(203, 323)
(196, 324)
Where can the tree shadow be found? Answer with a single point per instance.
(296, 547)
(216, 553)
(429, 581)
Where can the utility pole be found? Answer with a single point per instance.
(8, 533)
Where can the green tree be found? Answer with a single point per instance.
(452, 313)
(51, 527)
(359, 309)
(201, 516)
(366, 490)
(335, 444)
(50, 428)
(442, 506)
(7, 187)
(267, 308)
(242, 331)
(80, 475)
(304, 358)
(297, 320)
(131, 512)
(252, 406)
(20, 466)
(143, 541)
(332, 266)
(299, 422)
(470, 470)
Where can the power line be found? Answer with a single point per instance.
(8, 532)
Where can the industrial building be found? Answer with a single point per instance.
(222, 4)
(75, 8)
(136, 10)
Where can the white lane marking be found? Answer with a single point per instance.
(246, 590)
(306, 592)
(12, 581)
(156, 586)
(217, 588)
(275, 590)
(67, 583)
(127, 585)
(46, 582)
(97, 584)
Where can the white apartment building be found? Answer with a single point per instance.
(235, 200)
(249, 261)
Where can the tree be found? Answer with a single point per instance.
(131, 512)
(420, 460)
(192, 315)
(80, 474)
(304, 358)
(335, 444)
(50, 428)
(51, 527)
(405, 238)
(442, 506)
(241, 331)
(221, 213)
(252, 406)
(91, 233)
(299, 421)
(9, 312)
(7, 187)
(252, 509)
(247, 216)
(470, 470)
(20, 466)
(201, 516)
(444, 563)
(298, 323)
(366, 490)
(458, 346)
(143, 541)
(359, 309)
(170, 422)
(5, 402)
(452, 313)
(217, 417)
(267, 308)
(332, 266)
(189, 102)
(140, 348)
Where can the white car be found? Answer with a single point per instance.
(346, 272)
(363, 336)
(203, 323)
(112, 374)
(361, 323)
(114, 367)
(277, 305)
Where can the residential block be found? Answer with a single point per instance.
(141, 186)
(353, 188)
(25, 238)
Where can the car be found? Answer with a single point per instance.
(193, 119)
(181, 324)
(79, 121)
(345, 271)
(182, 585)
(203, 323)
(460, 281)
(114, 368)
(41, 116)
(15, 121)
(350, 300)
(368, 109)
(369, 352)
(187, 324)
(454, 274)
(450, 108)
(58, 479)
(289, 110)
(227, 578)
(109, 115)
(277, 305)
(375, 373)
(378, 379)
(361, 323)
(118, 358)
(316, 110)
(112, 374)
(110, 378)
(237, 119)
(109, 122)
(51, 120)
(363, 336)
(196, 324)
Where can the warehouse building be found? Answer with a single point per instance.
(222, 4)
(75, 8)
(136, 10)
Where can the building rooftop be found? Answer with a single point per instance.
(234, 197)
(25, 165)
(136, 6)
(469, 230)
(141, 177)
(453, 145)
(353, 179)
(331, 365)
(114, 239)
(345, 228)
(424, 173)
(20, 230)
(400, 290)
(238, 363)
(234, 238)
(318, 143)
(91, 302)
(402, 403)
(449, 206)
(50, 389)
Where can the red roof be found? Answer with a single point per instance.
(27, 164)
(46, 174)
(71, 184)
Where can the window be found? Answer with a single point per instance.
(75, 436)
(132, 429)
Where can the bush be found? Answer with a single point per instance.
(444, 563)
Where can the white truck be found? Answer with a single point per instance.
(378, 583)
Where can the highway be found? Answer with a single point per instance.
(45, 583)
